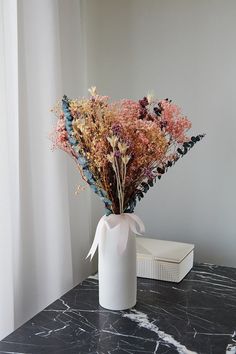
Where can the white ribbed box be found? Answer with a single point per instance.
(163, 260)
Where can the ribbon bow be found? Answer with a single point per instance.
(125, 222)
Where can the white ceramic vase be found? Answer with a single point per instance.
(117, 270)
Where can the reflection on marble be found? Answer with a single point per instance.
(231, 348)
(197, 315)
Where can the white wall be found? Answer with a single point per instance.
(184, 50)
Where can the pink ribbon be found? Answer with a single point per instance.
(124, 222)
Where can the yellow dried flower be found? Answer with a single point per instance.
(150, 97)
(125, 159)
(112, 140)
(93, 91)
(74, 105)
(122, 147)
(110, 158)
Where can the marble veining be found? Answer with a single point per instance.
(196, 316)
(142, 320)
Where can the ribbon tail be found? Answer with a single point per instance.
(136, 221)
(97, 237)
(128, 222)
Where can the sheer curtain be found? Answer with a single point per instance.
(45, 228)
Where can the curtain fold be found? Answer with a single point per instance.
(43, 241)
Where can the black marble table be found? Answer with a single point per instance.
(197, 315)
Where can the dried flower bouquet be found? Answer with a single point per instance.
(122, 148)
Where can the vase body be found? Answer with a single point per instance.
(117, 270)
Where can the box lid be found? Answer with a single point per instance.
(162, 250)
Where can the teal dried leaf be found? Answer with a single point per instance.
(160, 170)
(68, 125)
(106, 201)
(180, 151)
(88, 174)
(139, 194)
(94, 188)
(72, 140)
(150, 182)
(145, 187)
(108, 212)
(83, 162)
